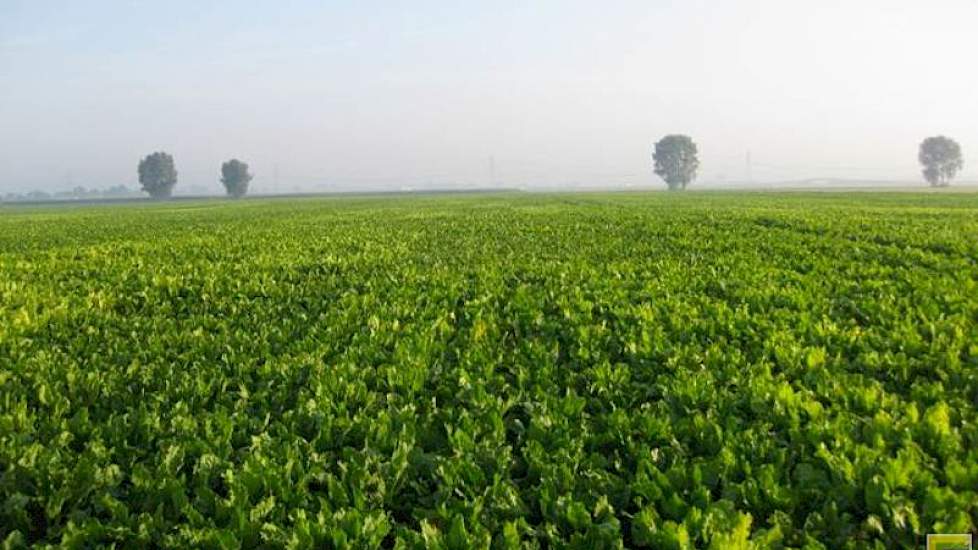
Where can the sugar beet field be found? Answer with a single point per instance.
(702, 370)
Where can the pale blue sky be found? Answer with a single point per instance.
(393, 94)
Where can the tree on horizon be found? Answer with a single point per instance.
(158, 175)
(235, 177)
(676, 160)
(941, 159)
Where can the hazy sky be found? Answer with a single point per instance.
(392, 94)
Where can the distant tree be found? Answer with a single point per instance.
(37, 195)
(235, 177)
(676, 160)
(941, 158)
(158, 175)
(117, 191)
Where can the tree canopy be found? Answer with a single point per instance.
(941, 160)
(235, 177)
(158, 175)
(676, 160)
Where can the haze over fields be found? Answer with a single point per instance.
(378, 95)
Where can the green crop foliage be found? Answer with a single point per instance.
(710, 370)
